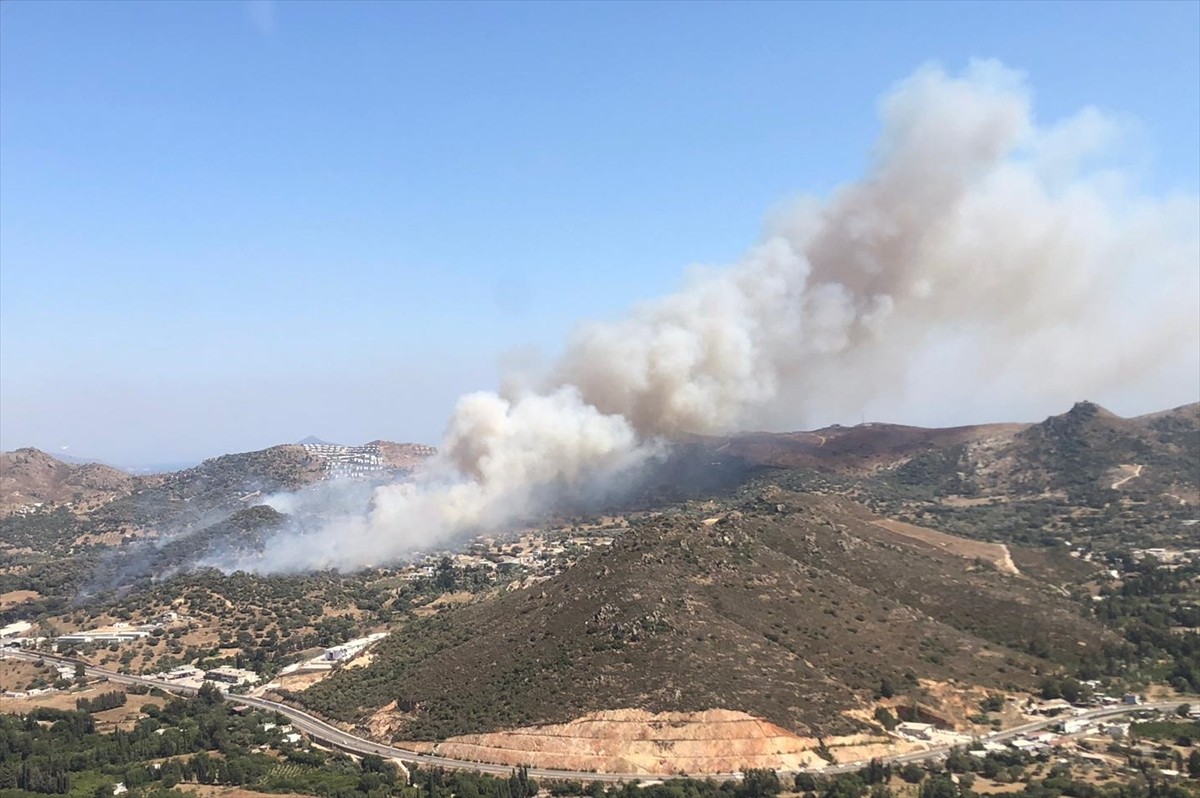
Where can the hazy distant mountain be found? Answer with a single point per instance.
(1081, 452)
(147, 469)
(162, 499)
(71, 459)
(30, 478)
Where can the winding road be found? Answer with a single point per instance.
(320, 730)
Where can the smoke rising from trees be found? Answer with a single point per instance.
(979, 246)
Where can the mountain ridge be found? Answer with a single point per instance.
(780, 596)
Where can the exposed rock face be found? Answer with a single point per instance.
(666, 743)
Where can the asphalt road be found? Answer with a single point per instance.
(331, 735)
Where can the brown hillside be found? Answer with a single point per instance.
(199, 496)
(1089, 449)
(790, 608)
(30, 477)
(864, 449)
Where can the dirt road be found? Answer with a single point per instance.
(1137, 472)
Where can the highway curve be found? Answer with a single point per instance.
(318, 729)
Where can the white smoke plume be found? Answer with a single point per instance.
(978, 240)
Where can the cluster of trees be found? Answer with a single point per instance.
(756, 783)
(938, 473)
(38, 559)
(109, 700)
(265, 621)
(42, 751)
(345, 694)
(334, 776)
(201, 768)
(438, 783)
(41, 530)
(1148, 608)
(48, 778)
(446, 578)
(202, 740)
(1067, 688)
(885, 718)
(273, 618)
(1060, 782)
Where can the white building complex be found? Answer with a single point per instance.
(349, 650)
(342, 462)
(102, 638)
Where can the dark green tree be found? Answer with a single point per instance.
(912, 773)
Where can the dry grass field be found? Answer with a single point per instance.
(14, 598)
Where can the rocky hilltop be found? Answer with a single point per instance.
(58, 503)
(1078, 452)
(31, 479)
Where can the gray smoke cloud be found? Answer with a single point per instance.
(978, 242)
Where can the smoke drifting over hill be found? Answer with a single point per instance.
(976, 238)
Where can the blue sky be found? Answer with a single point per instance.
(229, 225)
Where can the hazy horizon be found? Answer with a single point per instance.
(187, 461)
(359, 213)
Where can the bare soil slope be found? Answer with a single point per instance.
(661, 744)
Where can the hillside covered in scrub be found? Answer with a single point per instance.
(789, 607)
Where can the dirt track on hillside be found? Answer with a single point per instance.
(1129, 472)
(995, 553)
